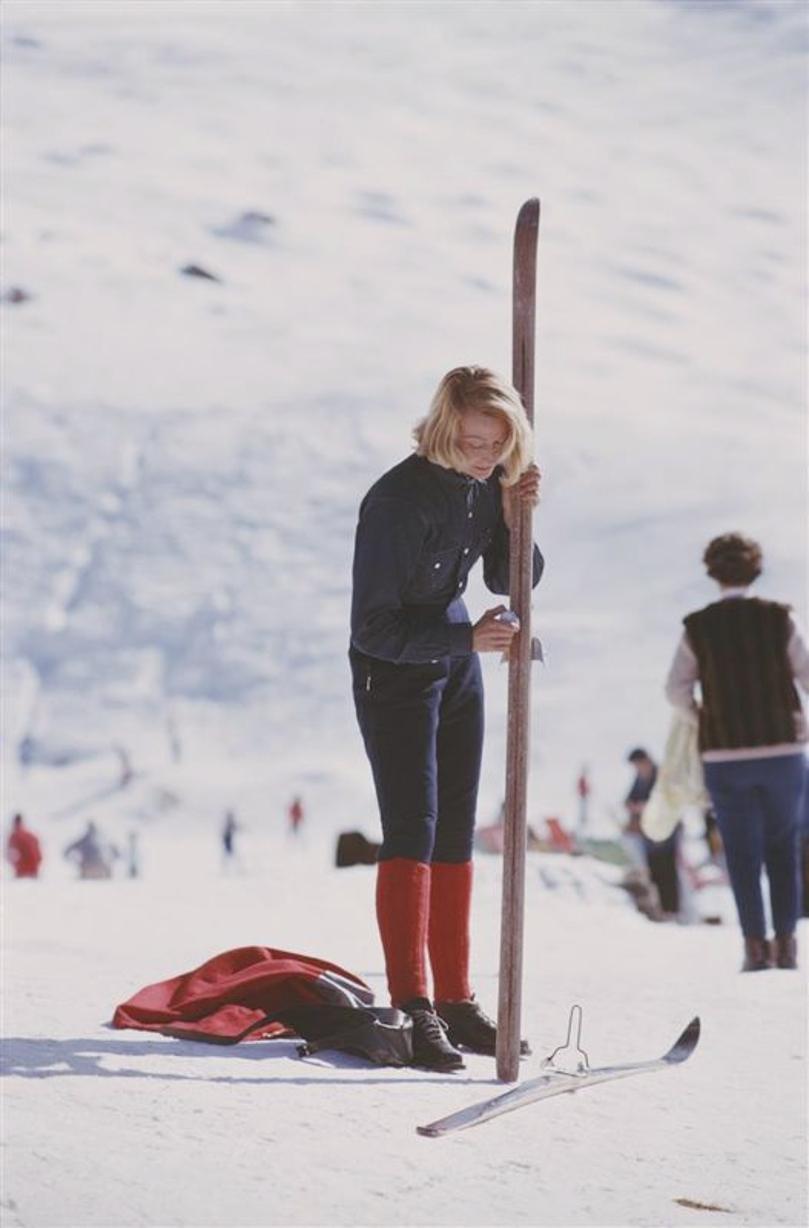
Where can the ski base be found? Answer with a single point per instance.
(556, 1083)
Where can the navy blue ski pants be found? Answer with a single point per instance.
(757, 804)
(423, 731)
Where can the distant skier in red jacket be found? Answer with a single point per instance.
(22, 850)
(295, 815)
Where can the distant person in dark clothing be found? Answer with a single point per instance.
(661, 856)
(93, 856)
(125, 768)
(229, 828)
(23, 850)
(645, 777)
(746, 653)
(133, 855)
(418, 690)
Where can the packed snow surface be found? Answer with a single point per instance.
(127, 1128)
(184, 457)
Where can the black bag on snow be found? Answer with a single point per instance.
(380, 1034)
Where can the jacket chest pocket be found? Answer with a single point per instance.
(437, 570)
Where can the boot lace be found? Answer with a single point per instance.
(432, 1026)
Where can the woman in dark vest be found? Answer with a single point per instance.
(746, 653)
(418, 690)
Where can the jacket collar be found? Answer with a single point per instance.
(462, 481)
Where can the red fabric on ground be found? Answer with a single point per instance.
(229, 993)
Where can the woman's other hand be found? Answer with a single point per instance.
(491, 634)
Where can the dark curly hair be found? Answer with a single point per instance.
(733, 559)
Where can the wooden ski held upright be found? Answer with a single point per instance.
(519, 668)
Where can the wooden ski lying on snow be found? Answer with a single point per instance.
(557, 1082)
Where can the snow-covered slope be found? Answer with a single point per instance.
(185, 457)
(107, 1129)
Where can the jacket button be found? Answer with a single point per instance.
(436, 566)
(466, 549)
(469, 516)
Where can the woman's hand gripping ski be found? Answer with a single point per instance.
(498, 626)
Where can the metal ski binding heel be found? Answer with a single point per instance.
(570, 1058)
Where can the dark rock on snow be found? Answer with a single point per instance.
(196, 270)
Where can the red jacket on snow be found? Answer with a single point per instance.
(227, 998)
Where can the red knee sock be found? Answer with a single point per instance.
(448, 938)
(402, 905)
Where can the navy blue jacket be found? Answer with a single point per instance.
(421, 529)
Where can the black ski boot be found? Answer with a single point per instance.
(431, 1048)
(471, 1027)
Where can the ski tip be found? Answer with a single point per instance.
(428, 1131)
(529, 212)
(685, 1044)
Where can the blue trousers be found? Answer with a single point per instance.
(423, 731)
(757, 804)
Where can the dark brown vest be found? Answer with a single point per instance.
(748, 694)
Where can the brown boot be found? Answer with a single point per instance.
(757, 956)
(786, 951)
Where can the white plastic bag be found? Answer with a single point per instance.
(680, 782)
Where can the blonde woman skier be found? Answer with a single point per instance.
(418, 689)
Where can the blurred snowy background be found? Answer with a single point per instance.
(185, 454)
(241, 244)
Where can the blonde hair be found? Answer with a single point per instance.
(475, 388)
